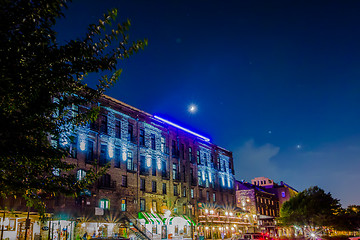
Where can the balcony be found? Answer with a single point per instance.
(109, 185)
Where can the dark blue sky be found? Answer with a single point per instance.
(289, 67)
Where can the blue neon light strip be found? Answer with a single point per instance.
(184, 129)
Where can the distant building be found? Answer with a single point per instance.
(262, 206)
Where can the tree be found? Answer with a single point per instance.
(311, 207)
(348, 219)
(42, 83)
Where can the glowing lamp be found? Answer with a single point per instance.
(82, 145)
(226, 213)
(148, 162)
(124, 156)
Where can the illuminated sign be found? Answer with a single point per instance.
(184, 129)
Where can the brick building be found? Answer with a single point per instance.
(262, 207)
(160, 178)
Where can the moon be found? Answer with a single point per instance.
(192, 108)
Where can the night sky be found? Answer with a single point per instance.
(276, 82)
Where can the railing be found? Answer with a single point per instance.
(110, 185)
(140, 227)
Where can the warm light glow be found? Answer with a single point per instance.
(231, 213)
(232, 228)
(206, 228)
(184, 129)
(226, 213)
(111, 151)
(211, 211)
(148, 162)
(124, 156)
(206, 211)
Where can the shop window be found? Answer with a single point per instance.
(104, 204)
(154, 205)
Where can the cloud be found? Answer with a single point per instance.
(253, 161)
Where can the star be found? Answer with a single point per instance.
(298, 146)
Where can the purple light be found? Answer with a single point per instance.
(184, 129)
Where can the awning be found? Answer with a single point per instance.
(142, 215)
(156, 218)
(189, 220)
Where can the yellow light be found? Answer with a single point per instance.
(226, 213)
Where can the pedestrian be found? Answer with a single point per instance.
(85, 236)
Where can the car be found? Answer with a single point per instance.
(260, 236)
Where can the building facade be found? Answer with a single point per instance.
(159, 180)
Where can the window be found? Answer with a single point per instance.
(283, 194)
(182, 149)
(142, 205)
(153, 186)
(143, 168)
(153, 145)
(73, 147)
(190, 154)
(80, 174)
(218, 163)
(90, 152)
(174, 171)
(163, 169)
(207, 196)
(200, 194)
(184, 192)
(154, 205)
(129, 165)
(56, 172)
(192, 193)
(74, 110)
(142, 184)
(153, 166)
(124, 181)
(103, 124)
(214, 197)
(198, 156)
(131, 132)
(117, 129)
(173, 149)
(175, 190)
(154, 229)
(123, 205)
(164, 188)
(103, 153)
(105, 181)
(142, 137)
(117, 158)
(205, 159)
(104, 204)
(162, 146)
